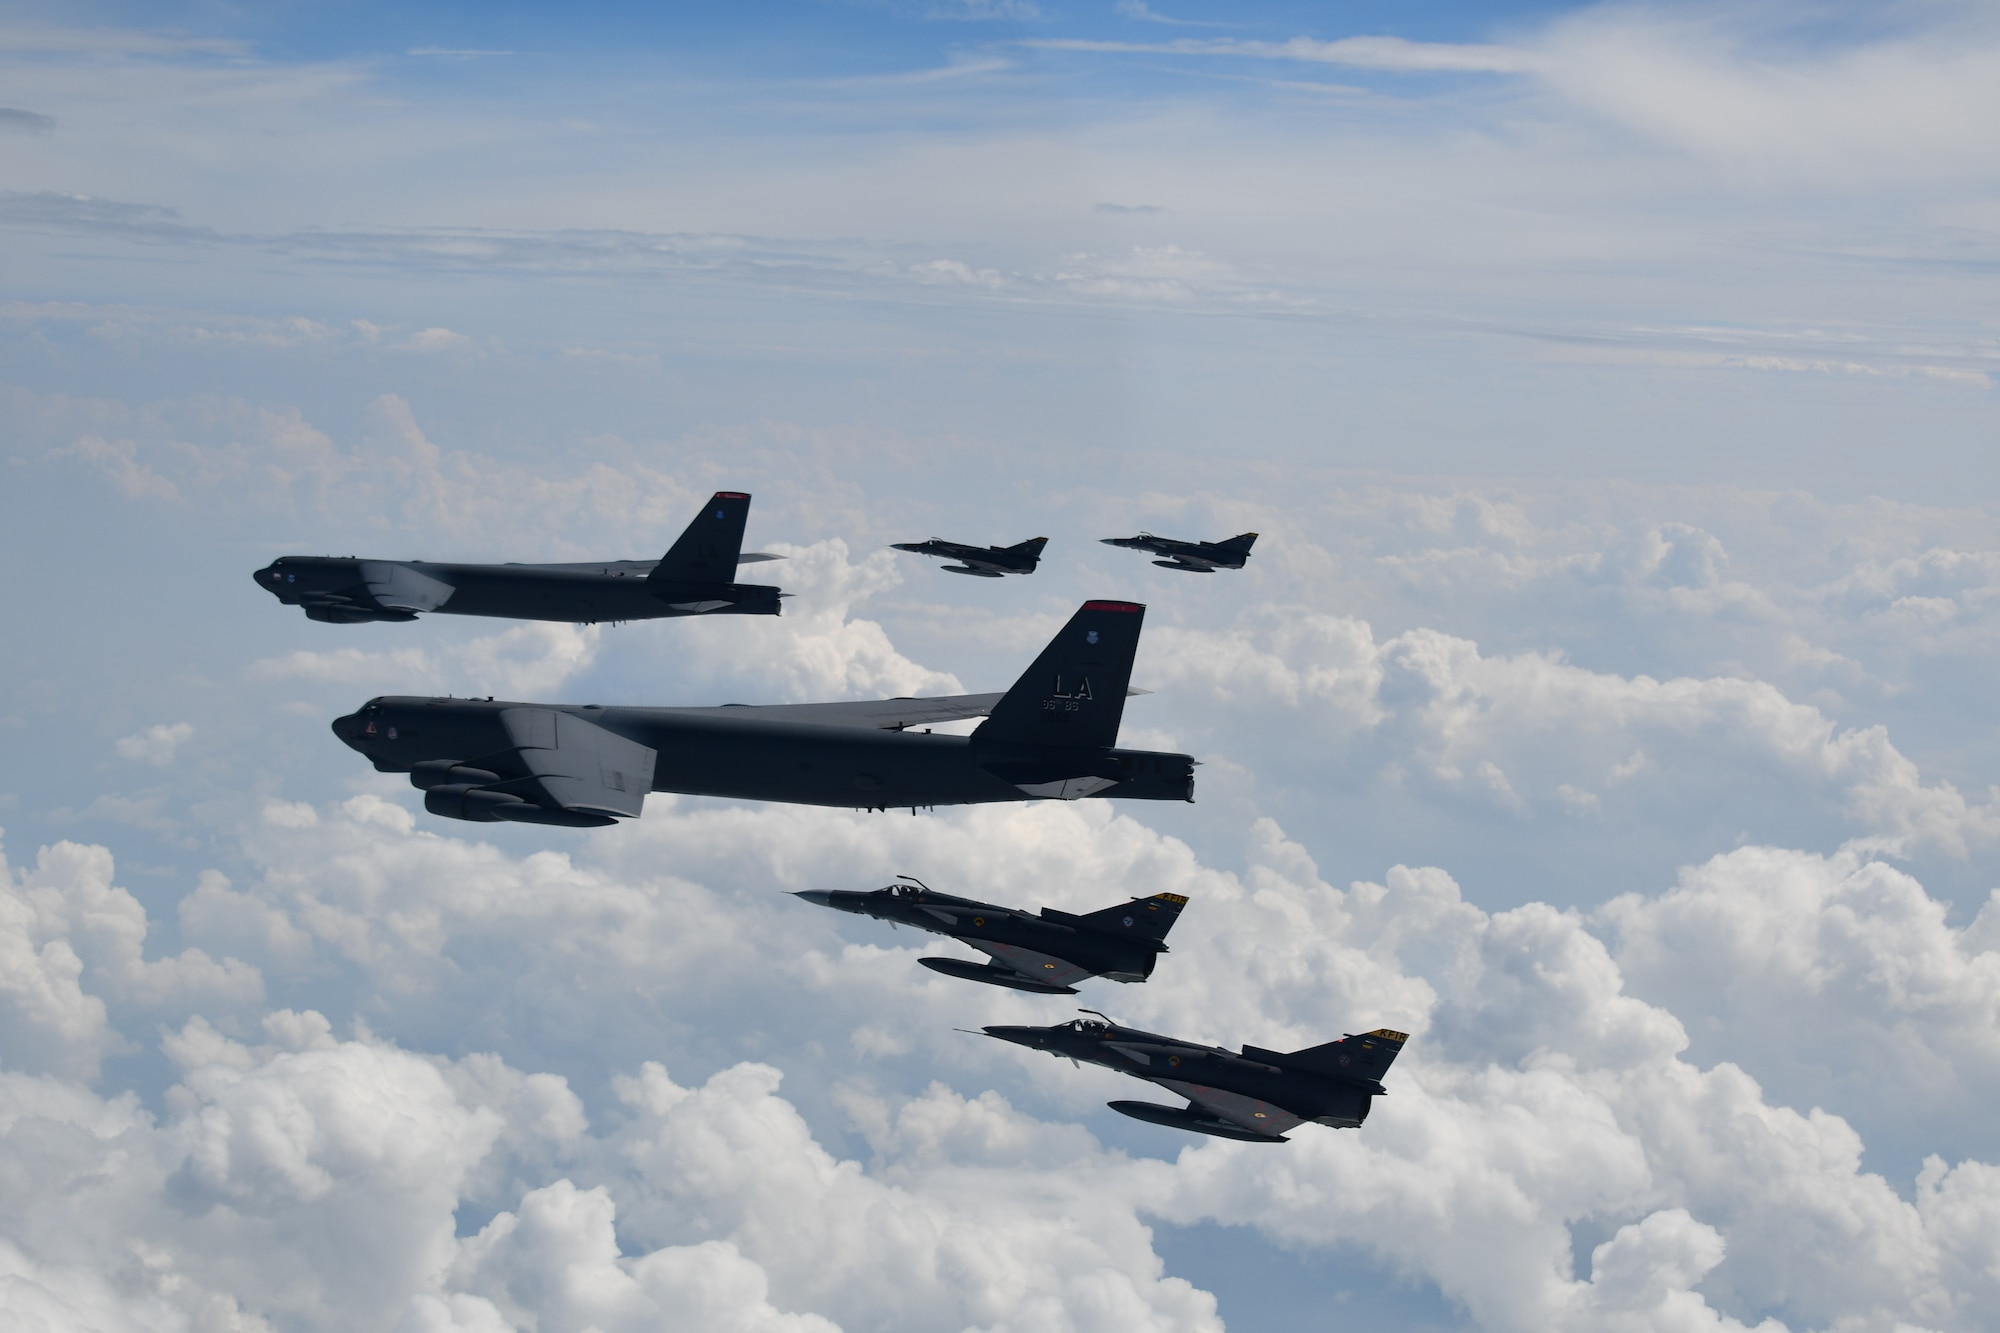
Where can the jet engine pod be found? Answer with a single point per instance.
(442, 772)
(465, 801)
(1176, 1117)
(523, 812)
(993, 975)
(337, 610)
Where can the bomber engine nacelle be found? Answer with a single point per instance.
(461, 800)
(341, 611)
(449, 772)
(483, 805)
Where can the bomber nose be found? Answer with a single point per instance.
(347, 728)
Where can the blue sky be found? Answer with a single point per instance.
(1608, 701)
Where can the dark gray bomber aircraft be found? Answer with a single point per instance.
(1045, 953)
(984, 562)
(1193, 557)
(697, 577)
(1255, 1096)
(1054, 734)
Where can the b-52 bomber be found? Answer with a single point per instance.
(696, 577)
(1054, 734)
(982, 562)
(1191, 557)
(1047, 953)
(1255, 1096)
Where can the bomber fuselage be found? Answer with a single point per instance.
(736, 753)
(336, 588)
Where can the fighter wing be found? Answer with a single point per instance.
(885, 714)
(1257, 1116)
(1035, 966)
(579, 765)
(397, 587)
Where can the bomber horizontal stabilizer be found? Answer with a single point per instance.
(1179, 1117)
(883, 714)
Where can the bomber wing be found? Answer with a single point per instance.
(578, 765)
(397, 587)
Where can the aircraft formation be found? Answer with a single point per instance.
(1051, 735)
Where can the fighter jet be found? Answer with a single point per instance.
(983, 562)
(1045, 953)
(697, 577)
(1054, 734)
(1193, 557)
(1255, 1096)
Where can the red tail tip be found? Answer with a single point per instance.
(1113, 606)
(732, 495)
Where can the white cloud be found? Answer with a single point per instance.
(1383, 53)
(155, 745)
(434, 340)
(1538, 1095)
(73, 941)
(522, 662)
(1837, 976)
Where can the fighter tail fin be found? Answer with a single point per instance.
(1149, 917)
(1033, 546)
(1368, 1055)
(1241, 543)
(1074, 694)
(707, 551)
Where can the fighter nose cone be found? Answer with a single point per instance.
(1018, 1035)
(818, 897)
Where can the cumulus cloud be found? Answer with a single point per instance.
(75, 941)
(524, 661)
(156, 744)
(1549, 1155)
(434, 340)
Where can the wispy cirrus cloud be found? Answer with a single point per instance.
(1394, 54)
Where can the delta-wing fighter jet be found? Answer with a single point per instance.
(1054, 734)
(983, 562)
(697, 577)
(1256, 1095)
(1192, 557)
(1049, 953)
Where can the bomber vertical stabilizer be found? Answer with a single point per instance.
(1074, 694)
(707, 552)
